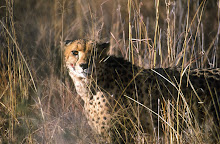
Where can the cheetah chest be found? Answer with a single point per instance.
(98, 113)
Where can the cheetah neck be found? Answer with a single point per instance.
(81, 87)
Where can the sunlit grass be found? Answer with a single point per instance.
(38, 103)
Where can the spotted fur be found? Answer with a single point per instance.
(121, 99)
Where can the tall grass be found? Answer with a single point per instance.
(38, 102)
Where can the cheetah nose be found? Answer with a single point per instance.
(84, 66)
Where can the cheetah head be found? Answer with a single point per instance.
(81, 54)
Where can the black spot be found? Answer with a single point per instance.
(101, 79)
(103, 100)
(103, 123)
(125, 79)
(217, 76)
(201, 71)
(130, 87)
(162, 88)
(201, 81)
(149, 80)
(146, 90)
(157, 92)
(104, 118)
(130, 75)
(129, 93)
(124, 72)
(119, 71)
(106, 85)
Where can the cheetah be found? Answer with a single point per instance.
(124, 102)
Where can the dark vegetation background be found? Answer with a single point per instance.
(38, 103)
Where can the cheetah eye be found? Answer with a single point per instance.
(75, 53)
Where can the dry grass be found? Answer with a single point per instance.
(38, 103)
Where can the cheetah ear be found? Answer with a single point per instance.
(104, 45)
(103, 49)
(68, 42)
